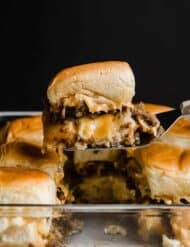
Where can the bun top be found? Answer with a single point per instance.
(28, 156)
(164, 156)
(27, 129)
(101, 85)
(19, 185)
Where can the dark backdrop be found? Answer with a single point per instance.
(38, 38)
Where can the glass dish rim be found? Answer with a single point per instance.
(99, 208)
(85, 208)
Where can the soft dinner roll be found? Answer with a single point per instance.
(25, 155)
(25, 186)
(162, 172)
(102, 85)
(27, 129)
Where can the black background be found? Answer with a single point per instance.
(38, 38)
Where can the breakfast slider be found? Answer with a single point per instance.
(25, 186)
(91, 106)
(25, 155)
(160, 171)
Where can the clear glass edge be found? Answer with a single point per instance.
(44, 210)
(87, 208)
(99, 207)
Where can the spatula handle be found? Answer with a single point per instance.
(185, 107)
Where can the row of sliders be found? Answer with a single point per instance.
(26, 177)
(91, 106)
(29, 176)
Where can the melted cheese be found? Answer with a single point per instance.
(100, 128)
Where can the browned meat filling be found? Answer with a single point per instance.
(77, 127)
(66, 112)
(138, 181)
(98, 182)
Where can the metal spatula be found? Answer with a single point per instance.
(167, 120)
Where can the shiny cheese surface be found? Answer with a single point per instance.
(99, 128)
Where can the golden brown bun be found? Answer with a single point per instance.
(23, 130)
(157, 109)
(166, 168)
(111, 80)
(25, 155)
(25, 186)
(28, 156)
(19, 185)
(164, 156)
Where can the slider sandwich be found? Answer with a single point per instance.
(25, 155)
(25, 186)
(97, 177)
(21, 143)
(91, 106)
(161, 172)
(27, 130)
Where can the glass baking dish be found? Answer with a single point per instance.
(100, 225)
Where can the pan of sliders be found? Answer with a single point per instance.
(78, 173)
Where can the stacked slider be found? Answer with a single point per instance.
(27, 177)
(160, 175)
(160, 172)
(21, 146)
(90, 106)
